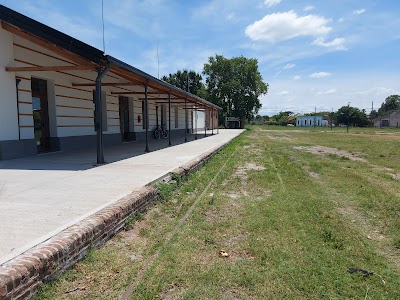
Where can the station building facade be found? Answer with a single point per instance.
(58, 93)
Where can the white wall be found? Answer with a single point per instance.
(200, 120)
(74, 108)
(73, 113)
(152, 116)
(8, 96)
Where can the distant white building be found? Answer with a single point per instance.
(309, 121)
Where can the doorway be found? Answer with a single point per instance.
(124, 118)
(163, 117)
(40, 111)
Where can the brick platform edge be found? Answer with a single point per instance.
(21, 276)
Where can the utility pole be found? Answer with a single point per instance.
(331, 118)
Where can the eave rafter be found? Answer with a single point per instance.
(136, 93)
(51, 68)
(46, 44)
(113, 84)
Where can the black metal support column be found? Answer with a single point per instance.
(217, 122)
(169, 119)
(17, 81)
(205, 122)
(99, 115)
(212, 122)
(186, 120)
(146, 104)
(195, 124)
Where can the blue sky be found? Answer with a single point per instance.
(320, 54)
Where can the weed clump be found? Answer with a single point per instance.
(131, 220)
(330, 238)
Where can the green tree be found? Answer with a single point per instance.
(391, 103)
(284, 118)
(180, 80)
(373, 114)
(235, 85)
(351, 116)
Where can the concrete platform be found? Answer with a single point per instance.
(42, 195)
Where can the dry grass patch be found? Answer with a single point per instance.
(321, 150)
(279, 138)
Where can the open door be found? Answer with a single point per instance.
(40, 109)
(124, 118)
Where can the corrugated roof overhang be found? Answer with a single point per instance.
(146, 79)
(27, 27)
(51, 35)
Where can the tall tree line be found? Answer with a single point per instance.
(234, 84)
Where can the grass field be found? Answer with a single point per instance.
(292, 208)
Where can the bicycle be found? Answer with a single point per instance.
(160, 131)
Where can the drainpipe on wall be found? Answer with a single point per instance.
(17, 81)
(99, 114)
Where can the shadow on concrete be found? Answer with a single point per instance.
(85, 159)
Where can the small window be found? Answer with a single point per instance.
(176, 117)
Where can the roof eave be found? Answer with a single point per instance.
(114, 61)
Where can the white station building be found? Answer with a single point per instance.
(50, 87)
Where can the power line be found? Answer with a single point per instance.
(158, 64)
(102, 20)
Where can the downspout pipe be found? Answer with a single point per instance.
(99, 114)
(17, 81)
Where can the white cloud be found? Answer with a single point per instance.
(282, 93)
(297, 77)
(320, 74)
(230, 16)
(331, 91)
(328, 92)
(270, 3)
(308, 8)
(380, 90)
(337, 43)
(289, 66)
(286, 67)
(287, 25)
(359, 11)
